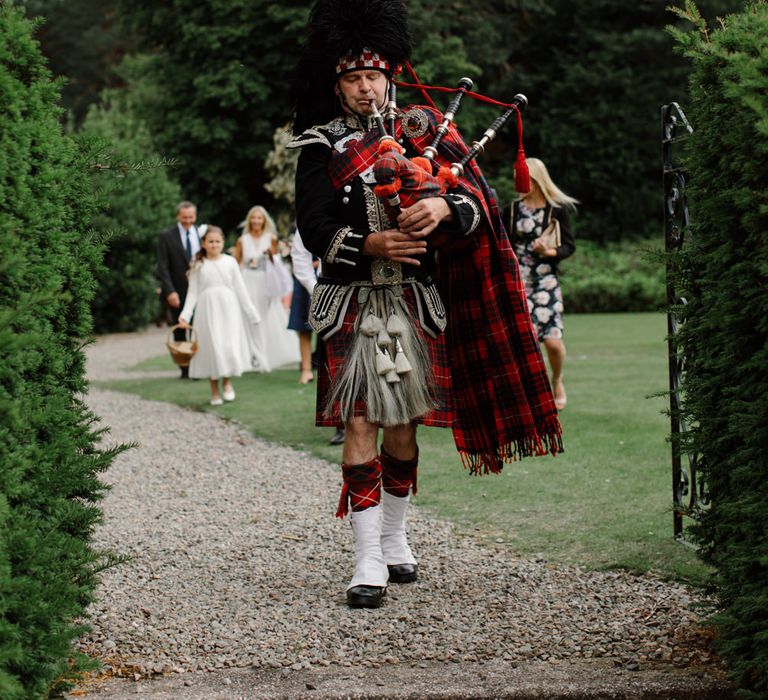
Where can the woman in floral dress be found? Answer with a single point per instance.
(527, 219)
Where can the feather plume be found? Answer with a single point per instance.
(335, 29)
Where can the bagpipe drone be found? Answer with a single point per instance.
(403, 181)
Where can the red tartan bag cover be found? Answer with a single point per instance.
(504, 408)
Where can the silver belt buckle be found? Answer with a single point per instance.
(385, 271)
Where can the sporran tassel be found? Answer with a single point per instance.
(384, 363)
(402, 366)
(395, 327)
(371, 325)
(394, 392)
(392, 376)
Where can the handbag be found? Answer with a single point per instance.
(550, 236)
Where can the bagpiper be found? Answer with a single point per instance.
(422, 310)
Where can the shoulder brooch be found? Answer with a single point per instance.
(415, 122)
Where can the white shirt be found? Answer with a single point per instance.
(302, 264)
(194, 239)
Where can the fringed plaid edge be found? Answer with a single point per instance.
(547, 439)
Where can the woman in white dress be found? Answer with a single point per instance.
(219, 301)
(268, 281)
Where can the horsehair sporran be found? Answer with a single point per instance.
(387, 365)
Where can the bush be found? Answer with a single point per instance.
(141, 200)
(49, 462)
(723, 272)
(615, 277)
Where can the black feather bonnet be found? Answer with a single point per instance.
(336, 29)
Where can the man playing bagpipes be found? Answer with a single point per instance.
(420, 303)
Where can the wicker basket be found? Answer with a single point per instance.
(182, 351)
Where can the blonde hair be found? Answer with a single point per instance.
(549, 190)
(269, 224)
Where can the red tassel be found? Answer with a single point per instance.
(522, 176)
(423, 163)
(343, 501)
(389, 145)
(387, 190)
(447, 178)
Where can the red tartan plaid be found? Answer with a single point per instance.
(415, 182)
(398, 475)
(502, 400)
(357, 158)
(334, 354)
(502, 396)
(362, 487)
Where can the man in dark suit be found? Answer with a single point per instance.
(176, 247)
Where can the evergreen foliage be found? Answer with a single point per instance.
(141, 198)
(595, 73)
(281, 166)
(619, 276)
(82, 40)
(723, 272)
(222, 74)
(49, 461)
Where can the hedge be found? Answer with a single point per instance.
(626, 276)
(723, 272)
(49, 458)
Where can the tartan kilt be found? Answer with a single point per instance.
(332, 354)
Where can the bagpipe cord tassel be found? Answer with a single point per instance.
(522, 176)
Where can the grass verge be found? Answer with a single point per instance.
(605, 503)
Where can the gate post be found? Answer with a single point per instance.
(687, 494)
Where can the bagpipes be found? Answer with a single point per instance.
(402, 181)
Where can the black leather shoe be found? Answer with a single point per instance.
(338, 438)
(365, 596)
(403, 573)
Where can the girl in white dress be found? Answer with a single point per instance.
(219, 301)
(268, 282)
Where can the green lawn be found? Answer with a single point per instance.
(604, 503)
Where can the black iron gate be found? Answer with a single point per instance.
(689, 494)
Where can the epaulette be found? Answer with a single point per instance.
(327, 134)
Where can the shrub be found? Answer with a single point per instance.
(723, 272)
(616, 277)
(49, 462)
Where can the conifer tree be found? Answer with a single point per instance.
(723, 273)
(49, 458)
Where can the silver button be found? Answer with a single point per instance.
(345, 200)
(347, 188)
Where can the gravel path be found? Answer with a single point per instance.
(229, 569)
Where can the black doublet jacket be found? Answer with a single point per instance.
(335, 222)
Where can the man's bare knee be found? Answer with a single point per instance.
(400, 441)
(360, 441)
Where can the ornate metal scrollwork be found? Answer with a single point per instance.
(688, 490)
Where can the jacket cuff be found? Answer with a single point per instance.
(346, 247)
(466, 214)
